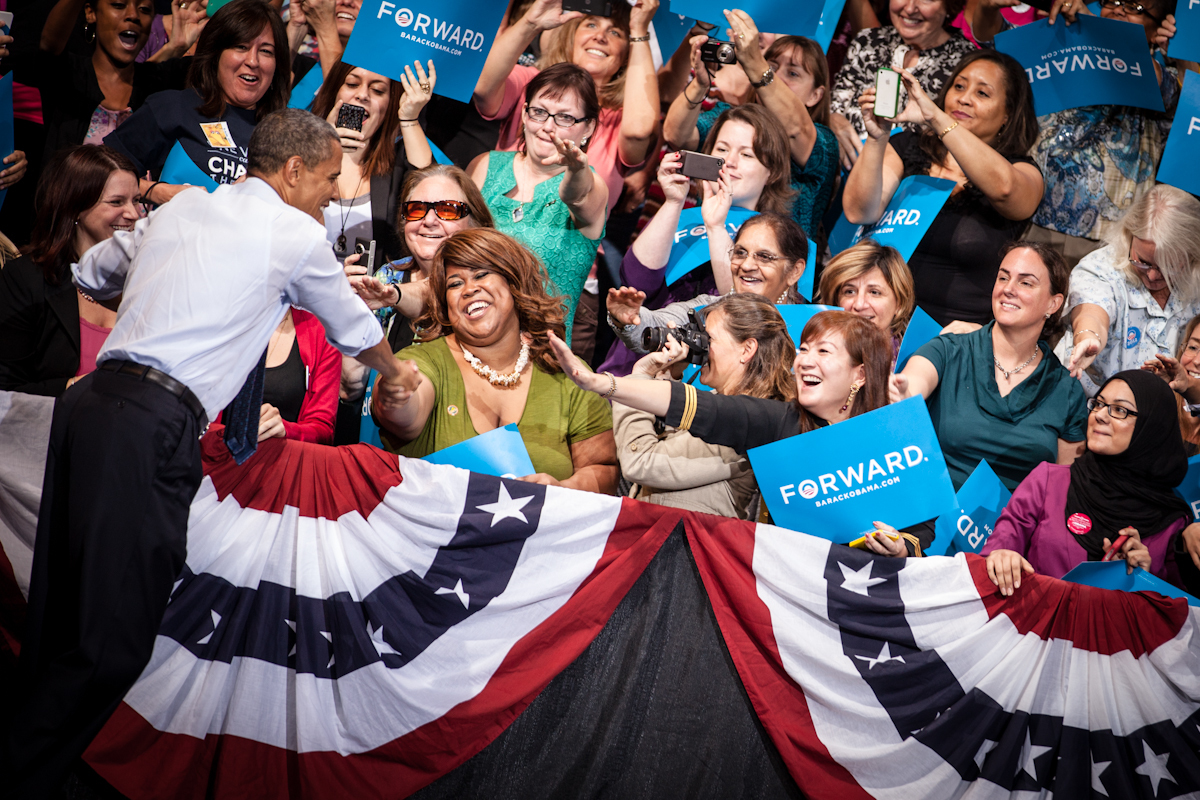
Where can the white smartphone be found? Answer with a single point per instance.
(6, 19)
(887, 93)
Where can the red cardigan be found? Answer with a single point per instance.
(323, 365)
(323, 372)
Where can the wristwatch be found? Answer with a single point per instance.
(767, 78)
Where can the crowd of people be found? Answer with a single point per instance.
(419, 299)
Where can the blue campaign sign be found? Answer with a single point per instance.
(304, 92)
(500, 452)
(1112, 575)
(179, 169)
(1178, 165)
(7, 135)
(835, 482)
(368, 431)
(455, 34)
(769, 15)
(980, 500)
(831, 14)
(921, 328)
(691, 240)
(795, 317)
(670, 29)
(1189, 490)
(1093, 62)
(1185, 43)
(805, 285)
(913, 207)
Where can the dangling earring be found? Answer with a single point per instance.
(89, 32)
(783, 298)
(853, 391)
(583, 142)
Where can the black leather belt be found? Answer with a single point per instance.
(159, 378)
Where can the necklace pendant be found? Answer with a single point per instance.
(518, 213)
(341, 243)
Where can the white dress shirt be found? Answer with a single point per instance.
(206, 279)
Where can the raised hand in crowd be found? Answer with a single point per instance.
(188, 18)
(1083, 354)
(11, 174)
(714, 209)
(987, 20)
(1175, 374)
(418, 91)
(624, 303)
(321, 16)
(658, 364)
(1069, 9)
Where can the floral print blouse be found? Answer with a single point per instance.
(875, 48)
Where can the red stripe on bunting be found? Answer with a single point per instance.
(724, 553)
(1100, 620)
(320, 481)
(145, 763)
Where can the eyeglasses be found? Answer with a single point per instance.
(449, 210)
(739, 254)
(1139, 265)
(1129, 8)
(561, 120)
(1116, 412)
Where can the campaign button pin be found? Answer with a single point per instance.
(1079, 524)
(452, 410)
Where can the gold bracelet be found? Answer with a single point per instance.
(1075, 335)
(612, 379)
(636, 39)
(953, 125)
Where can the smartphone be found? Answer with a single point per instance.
(595, 8)
(350, 116)
(698, 165)
(1114, 551)
(6, 19)
(367, 248)
(887, 93)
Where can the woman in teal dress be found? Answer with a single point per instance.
(545, 195)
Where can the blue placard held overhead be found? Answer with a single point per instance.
(831, 14)
(903, 224)
(7, 135)
(500, 452)
(921, 328)
(1182, 152)
(805, 285)
(304, 92)
(1113, 575)
(769, 15)
(1189, 490)
(981, 499)
(1185, 43)
(1092, 62)
(455, 34)
(691, 240)
(179, 169)
(835, 482)
(795, 317)
(670, 29)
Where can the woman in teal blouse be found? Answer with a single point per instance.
(998, 394)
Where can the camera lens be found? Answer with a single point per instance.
(725, 54)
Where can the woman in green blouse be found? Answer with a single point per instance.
(485, 362)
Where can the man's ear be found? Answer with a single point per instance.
(291, 170)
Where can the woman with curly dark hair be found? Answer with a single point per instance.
(486, 362)
(239, 75)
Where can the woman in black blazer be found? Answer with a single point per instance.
(50, 331)
(374, 159)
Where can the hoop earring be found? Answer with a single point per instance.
(89, 32)
(854, 387)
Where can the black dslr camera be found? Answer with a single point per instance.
(715, 51)
(692, 334)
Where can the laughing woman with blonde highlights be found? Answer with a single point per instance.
(486, 362)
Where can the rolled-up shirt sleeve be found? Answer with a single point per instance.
(1096, 281)
(319, 285)
(102, 270)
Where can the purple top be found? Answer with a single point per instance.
(1034, 524)
(653, 282)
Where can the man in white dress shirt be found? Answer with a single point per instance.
(203, 281)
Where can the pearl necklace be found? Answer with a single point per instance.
(1008, 373)
(493, 377)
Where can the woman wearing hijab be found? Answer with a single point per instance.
(1123, 483)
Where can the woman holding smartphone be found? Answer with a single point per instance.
(976, 134)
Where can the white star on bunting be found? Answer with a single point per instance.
(458, 590)
(506, 507)
(885, 655)
(1030, 752)
(381, 645)
(216, 620)
(1154, 767)
(291, 624)
(859, 580)
(982, 753)
(329, 638)
(1098, 768)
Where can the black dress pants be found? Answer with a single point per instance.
(121, 473)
